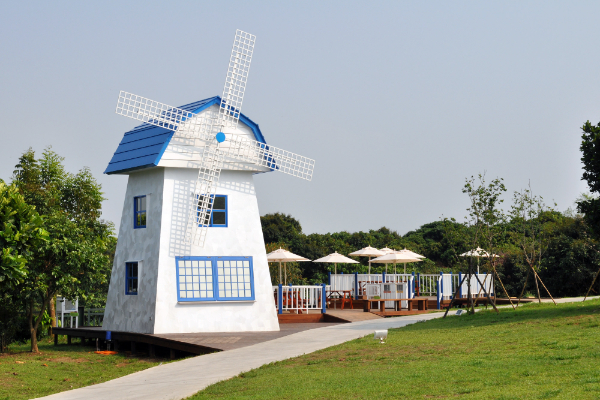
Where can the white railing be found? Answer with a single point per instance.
(428, 284)
(476, 289)
(299, 299)
(342, 282)
(347, 281)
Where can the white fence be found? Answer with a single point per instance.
(449, 284)
(358, 282)
(299, 299)
(441, 286)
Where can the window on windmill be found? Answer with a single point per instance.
(139, 212)
(131, 278)
(218, 218)
(214, 278)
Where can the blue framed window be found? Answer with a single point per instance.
(218, 217)
(139, 212)
(131, 278)
(214, 278)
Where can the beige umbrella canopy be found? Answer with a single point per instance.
(395, 258)
(282, 255)
(367, 252)
(336, 258)
(385, 250)
(409, 253)
(478, 252)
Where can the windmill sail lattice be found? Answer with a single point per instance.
(205, 128)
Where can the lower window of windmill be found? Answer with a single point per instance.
(214, 278)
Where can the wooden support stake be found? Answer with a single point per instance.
(594, 281)
(171, 354)
(454, 297)
(151, 351)
(537, 288)
(544, 286)
(55, 340)
(503, 288)
(132, 348)
(487, 293)
(524, 286)
(68, 339)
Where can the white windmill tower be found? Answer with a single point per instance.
(190, 255)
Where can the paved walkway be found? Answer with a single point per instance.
(182, 379)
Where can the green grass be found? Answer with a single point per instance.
(24, 375)
(537, 352)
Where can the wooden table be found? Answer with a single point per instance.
(345, 295)
(421, 303)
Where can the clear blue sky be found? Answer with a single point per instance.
(397, 101)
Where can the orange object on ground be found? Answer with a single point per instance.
(106, 352)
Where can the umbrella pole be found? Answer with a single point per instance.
(369, 265)
(280, 281)
(404, 268)
(285, 273)
(394, 268)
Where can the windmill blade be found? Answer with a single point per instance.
(236, 79)
(164, 116)
(204, 195)
(264, 155)
(150, 111)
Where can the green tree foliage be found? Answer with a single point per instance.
(74, 260)
(285, 231)
(590, 149)
(21, 230)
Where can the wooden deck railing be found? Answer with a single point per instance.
(300, 299)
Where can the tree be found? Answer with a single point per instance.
(20, 231)
(481, 226)
(74, 257)
(590, 149)
(528, 212)
(280, 228)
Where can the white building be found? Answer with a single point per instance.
(160, 283)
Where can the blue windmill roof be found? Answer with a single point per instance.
(144, 145)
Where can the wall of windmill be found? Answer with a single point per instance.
(155, 309)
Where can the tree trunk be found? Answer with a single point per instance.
(52, 307)
(34, 326)
(471, 305)
(537, 287)
(32, 329)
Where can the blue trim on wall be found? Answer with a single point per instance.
(215, 278)
(128, 278)
(136, 212)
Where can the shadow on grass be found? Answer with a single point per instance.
(524, 313)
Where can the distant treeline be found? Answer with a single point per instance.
(569, 261)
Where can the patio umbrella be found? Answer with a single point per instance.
(385, 250)
(409, 253)
(282, 255)
(368, 252)
(336, 258)
(395, 258)
(478, 252)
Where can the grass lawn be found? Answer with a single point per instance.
(537, 352)
(25, 375)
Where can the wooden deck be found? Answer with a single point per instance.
(194, 343)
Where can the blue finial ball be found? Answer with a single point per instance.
(220, 137)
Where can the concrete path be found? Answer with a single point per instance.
(182, 379)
